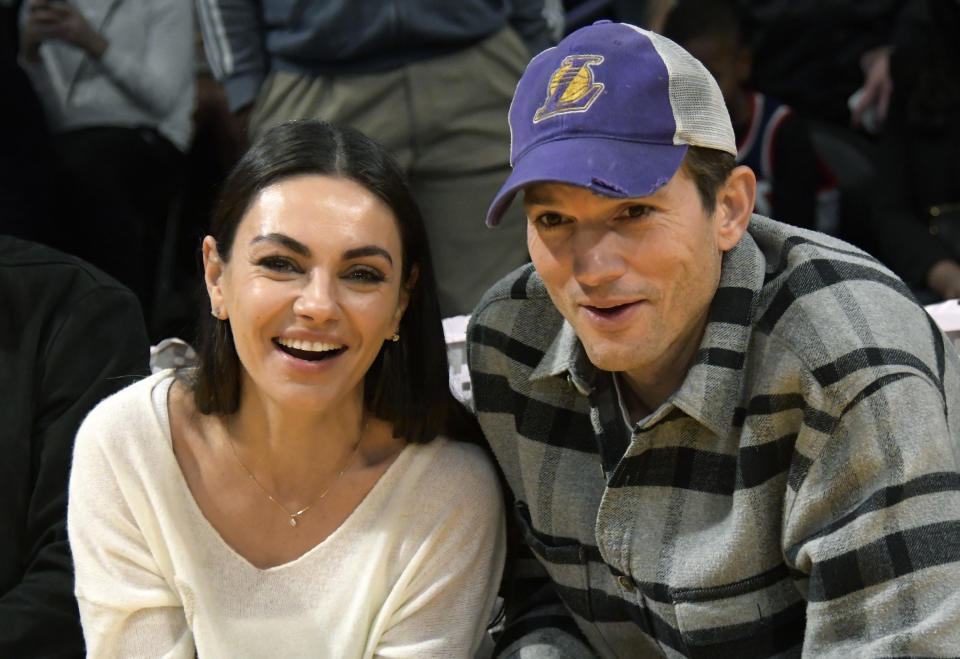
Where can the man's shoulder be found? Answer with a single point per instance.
(801, 264)
(517, 306)
(828, 300)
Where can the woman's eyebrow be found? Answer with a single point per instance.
(286, 241)
(303, 250)
(367, 250)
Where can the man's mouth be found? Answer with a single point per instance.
(313, 351)
(608, 311)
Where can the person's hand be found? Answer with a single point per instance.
(40, 25)
(877, 86)
(944, 279)
(60, 21)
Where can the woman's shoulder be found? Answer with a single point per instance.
(129, 410)
(455, 469)
(129, 401)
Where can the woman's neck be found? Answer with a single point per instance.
(289, 450)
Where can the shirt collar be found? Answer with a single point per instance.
(713, 386)
(566, 355)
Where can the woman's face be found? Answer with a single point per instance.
(312, 289)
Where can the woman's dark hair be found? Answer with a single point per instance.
(407, 384)
(709, 169)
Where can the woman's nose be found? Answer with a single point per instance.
(317, 299)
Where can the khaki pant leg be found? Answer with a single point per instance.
(375, 104)
(461, 158)
(445, 120)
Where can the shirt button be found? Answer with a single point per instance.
(627, 583)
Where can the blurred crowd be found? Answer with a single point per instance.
(125, 118)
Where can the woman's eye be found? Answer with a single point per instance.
(365, 274)
(280, 264)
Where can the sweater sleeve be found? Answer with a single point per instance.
(155, 80)
(233, 43)
(875, 524)
(127, 608)
(444, 600)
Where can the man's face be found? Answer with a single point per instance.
(634, 277)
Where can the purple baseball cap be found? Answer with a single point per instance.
(611, 108)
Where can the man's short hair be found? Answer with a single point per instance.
(709, 169)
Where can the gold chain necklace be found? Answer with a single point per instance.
(295, 517)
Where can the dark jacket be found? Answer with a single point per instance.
(807, 52)
(921, 143)
(69, 336)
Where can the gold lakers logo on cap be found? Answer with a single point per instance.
(571, 88)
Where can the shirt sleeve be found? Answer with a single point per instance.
(127, 608)
(537, 625)
(232, 38)
(98, 348)
(443, 603)
(155, 80)
(874, 531)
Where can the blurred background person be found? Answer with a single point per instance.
(771, 139)
(920, 149)
(431, 81)
(116, 81)
(69, 337)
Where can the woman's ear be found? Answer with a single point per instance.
(406, 290)
(734, 206)
(212, 274)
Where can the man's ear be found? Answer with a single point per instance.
(212, 273)
(734, 206)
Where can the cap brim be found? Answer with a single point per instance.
(608, 167)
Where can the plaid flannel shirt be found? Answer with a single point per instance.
(798, 492)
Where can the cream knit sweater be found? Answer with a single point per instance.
(413, 572)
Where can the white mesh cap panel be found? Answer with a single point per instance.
(698, 108)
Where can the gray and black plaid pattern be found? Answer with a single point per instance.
(799, 492)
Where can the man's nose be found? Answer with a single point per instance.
(597, 259)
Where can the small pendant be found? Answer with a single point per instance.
(293, 521)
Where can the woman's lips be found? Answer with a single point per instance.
(309, 351)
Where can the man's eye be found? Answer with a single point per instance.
(280, 264)
(550, 219)
(365, 274)
(638, 211)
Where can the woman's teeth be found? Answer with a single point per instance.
(310, 346)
